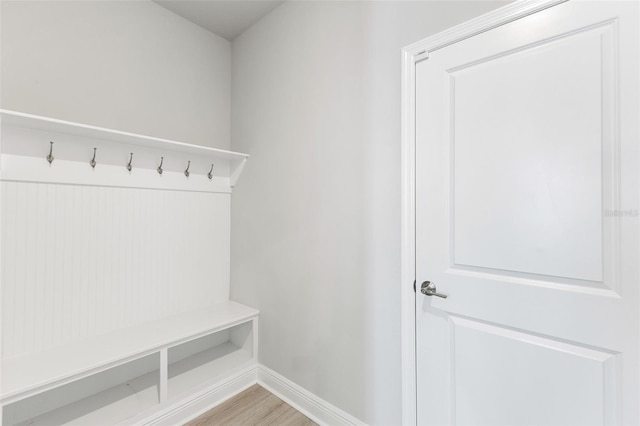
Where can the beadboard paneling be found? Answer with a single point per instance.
(79, 261)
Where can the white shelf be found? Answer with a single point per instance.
(29, 375)
(109, 407)
(21, 119)
(26, 140)
(204, 368)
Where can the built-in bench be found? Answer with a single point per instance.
(132, 374)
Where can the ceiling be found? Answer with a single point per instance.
(226, 18)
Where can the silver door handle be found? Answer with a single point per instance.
(429, 289)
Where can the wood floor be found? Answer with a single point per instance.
(252, 407)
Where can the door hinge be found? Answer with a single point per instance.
(421, 56)
(414, 286)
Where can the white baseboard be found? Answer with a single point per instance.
(205, 400)
(317, 409)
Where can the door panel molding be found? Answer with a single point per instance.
(598, 370)
(552, 282)
(597, 42)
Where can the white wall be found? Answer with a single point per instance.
(316, 217)
(129, 65)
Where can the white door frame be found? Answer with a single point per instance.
(410, 55)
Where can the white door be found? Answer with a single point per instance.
(527, 217)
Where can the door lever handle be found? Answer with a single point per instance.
(429, 289)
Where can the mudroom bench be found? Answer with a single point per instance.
(133, 375)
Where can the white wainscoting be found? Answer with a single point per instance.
(79, 261)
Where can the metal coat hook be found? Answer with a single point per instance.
(50, 156)
(160, 166)
(186, 172)
(93, 160)
(210, 174)
(129, 164)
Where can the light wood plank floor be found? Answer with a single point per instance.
(252, 407)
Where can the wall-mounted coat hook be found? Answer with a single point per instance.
(186, 172)
(129, 167)
(210, 174)
(160, 166)
(50, 156)
(92, 163)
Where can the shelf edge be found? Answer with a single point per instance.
(120, 133)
